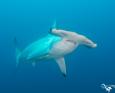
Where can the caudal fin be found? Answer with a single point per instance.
(17, 52)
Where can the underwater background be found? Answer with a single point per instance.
(87, 69)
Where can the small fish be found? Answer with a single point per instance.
(108, 88)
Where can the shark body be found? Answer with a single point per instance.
(55, 45)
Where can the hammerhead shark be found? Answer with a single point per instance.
(57, 44)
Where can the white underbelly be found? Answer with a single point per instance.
(62, 48)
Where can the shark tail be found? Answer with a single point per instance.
(17, 52)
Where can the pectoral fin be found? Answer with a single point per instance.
(61, 63)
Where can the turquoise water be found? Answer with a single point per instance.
(28, 20)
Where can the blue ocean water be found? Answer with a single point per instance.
(28, 20)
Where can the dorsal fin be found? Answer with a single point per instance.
(54, 26)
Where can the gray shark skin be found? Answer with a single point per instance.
(57, 44)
